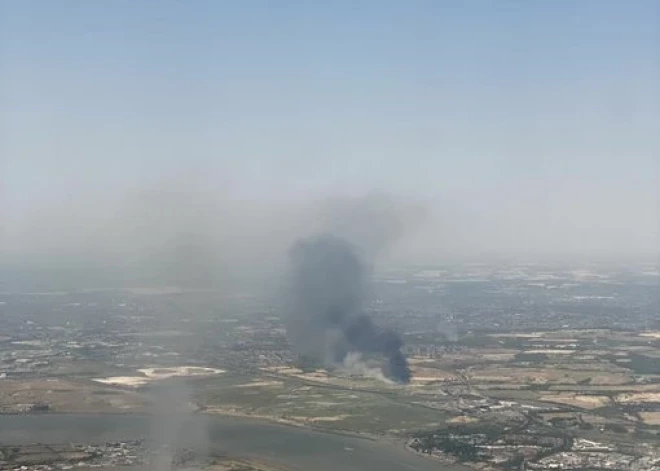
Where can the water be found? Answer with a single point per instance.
(298, 448)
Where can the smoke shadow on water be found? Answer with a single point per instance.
(173, 425)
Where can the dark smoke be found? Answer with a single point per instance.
(327, 322)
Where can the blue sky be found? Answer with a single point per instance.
(535, 114)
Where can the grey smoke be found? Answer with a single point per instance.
(168, 417)
(373, 222)
(354, 363)
(328, 322)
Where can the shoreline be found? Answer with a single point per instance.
(395, 444)
(291, 423)
(448, 460)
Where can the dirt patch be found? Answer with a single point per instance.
(462, 419)
(330, 418)
(653, 335)
(130, 381)
(158, 373)
(429, 374)
(650, 418)
(548, 351)
(638, 397)
(178, 371)
(498, 356)
(578, 400)
(261, 384)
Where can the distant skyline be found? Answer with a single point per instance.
(526, 128)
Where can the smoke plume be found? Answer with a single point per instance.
(327, 322)
(354, 364)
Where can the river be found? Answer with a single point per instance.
(293, 447)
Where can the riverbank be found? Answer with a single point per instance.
(290, 447)
(449, 460)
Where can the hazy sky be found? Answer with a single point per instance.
(522, 127)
